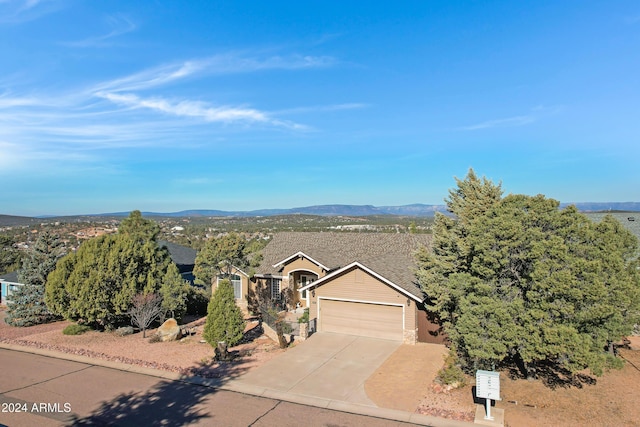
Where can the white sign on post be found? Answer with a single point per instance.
(488, 387)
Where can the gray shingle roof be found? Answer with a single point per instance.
(10, 277)
(183, 256)
(390, 255)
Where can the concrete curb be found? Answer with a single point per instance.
(238, 386)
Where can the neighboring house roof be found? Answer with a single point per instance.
(390, 255)
(183, 256)
(10, 277)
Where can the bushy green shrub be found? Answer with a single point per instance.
(451, 373)
(75, 329)
(225, 321)
(305, 316)
(197, 301)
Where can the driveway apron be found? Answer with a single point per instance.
(329, 366)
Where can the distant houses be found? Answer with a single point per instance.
(8, 284)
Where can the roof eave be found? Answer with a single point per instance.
(300, 254)
(368, 270)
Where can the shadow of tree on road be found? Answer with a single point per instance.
(169, 403)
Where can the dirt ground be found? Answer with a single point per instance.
(189, 356)
(405, 381)
(610, 400)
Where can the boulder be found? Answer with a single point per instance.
(169, 330)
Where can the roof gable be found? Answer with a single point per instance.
(353, 265)
(389, 255)
(297, 255)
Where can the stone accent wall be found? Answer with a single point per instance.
(410, 336)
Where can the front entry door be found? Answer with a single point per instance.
(305, 279)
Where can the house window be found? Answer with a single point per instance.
(236, 282)
(275, 289)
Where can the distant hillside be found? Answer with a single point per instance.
(415, 210)
(603, 207)
(12, 220)
(323, 210)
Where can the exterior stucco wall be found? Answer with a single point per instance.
(358, 285)
(302, 264)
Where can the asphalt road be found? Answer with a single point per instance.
(43, 391)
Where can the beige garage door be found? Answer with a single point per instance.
(356, 318)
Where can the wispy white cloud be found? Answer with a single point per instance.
(187, 108)
(219, 64)
(324, 108)
(20, 11)
(119, 25)
(14, 156)
(506, 122)
(7, 102)
(534, 115)
(197, 181)
(151, 78)
(79, 127)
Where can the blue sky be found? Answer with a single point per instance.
(162, 106)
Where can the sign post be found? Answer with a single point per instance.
(488, 387)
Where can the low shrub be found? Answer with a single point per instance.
(305, 316)
(451, 374)
(155, 338)
(75, 329)
(197, 301)
(124, 331)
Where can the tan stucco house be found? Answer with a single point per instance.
(352, 283)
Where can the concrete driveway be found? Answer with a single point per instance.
(329, 366)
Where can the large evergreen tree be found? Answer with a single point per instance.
(139, 228)
(219, 256)
(533, 284)
(224, 318)
(27, 306)
(96, 284)
(9, 255)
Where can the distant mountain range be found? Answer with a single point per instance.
(322, 210)
(418, 210)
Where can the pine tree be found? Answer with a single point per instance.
(27, 306)
(9, 255)
(521, 280)
(97, 282)
(219, 256)
(224, 318)
(138, 228)
(174, 291)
